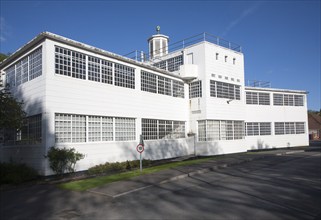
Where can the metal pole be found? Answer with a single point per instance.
(194, 145)
(140, 164)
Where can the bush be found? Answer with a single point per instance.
(117, 166)
(63, 159)
(12, 173)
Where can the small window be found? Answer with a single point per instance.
(216, 56)
(225, 58)
(234, 60)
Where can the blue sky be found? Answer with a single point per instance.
(280, 39)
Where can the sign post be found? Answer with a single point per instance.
(140, 149)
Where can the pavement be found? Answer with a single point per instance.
(124, 199)
(121, 188)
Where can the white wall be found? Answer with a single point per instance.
(32, 93)
(218, 108)
(76, 96)
(272, 113)
(52, 93)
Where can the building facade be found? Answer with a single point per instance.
(189, 100)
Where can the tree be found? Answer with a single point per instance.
(12, 114)
(2, 57)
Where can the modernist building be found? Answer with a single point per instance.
(100, 103)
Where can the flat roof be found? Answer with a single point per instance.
(275, 90)
(47, 35)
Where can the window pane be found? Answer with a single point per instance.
(195, 89)
(124, 76)
(125, 129)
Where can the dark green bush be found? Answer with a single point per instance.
(63, 160)
(12, 173)
(117, 166)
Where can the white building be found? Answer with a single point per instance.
(100, 103)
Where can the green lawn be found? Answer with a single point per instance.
(82, 185)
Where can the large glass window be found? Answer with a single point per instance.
(78, 65)
(153, 129)
(106, 72)
(148, 82)
(30, 133)
(288, 100)
(162, 85)
(35, 64)
(171, 64)
(174, 63)
(63, 61)
(94, 128)
(298, 100)
(289, 128)
(210, 130)
(252, 98)
(63, 128)
(93, 69)
(11, 76)
(258, 128)
(124, 76)
(252, 128)
(150, 129)
(25, 69)
(71, 128)
(299, 127)
(224, 90)
(18, 73)
(107, 127)
(125, 129)
(257, 98)
(100, 128)
(279, 128)
(195, 89)
(178, 89)
(78, 128)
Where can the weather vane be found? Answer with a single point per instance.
(158, 29)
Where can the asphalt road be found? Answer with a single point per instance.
(275, 187)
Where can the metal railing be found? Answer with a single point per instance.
(142, 56)
(261, 84)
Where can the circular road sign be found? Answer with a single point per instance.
(140, 148)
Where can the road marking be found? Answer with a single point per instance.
(131, 191)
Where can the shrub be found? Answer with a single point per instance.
(63, 159)
(12, 173)
(117, 166)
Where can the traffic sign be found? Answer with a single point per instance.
(140, 148)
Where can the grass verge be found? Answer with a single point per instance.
(82, 185)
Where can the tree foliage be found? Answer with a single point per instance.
(63, 160)
(12, 114)
(2, 57)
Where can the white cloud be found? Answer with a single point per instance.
(245, 13)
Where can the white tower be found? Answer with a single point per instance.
(158, 45)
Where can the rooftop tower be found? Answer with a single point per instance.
(158, 45)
